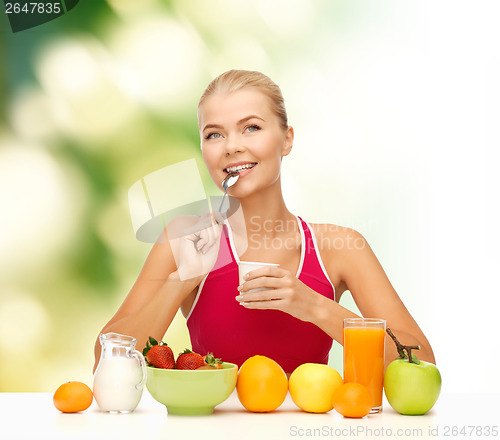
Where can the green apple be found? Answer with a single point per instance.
(411, 387)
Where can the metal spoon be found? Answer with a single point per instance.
(229, 181)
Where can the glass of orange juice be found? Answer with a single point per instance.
(364, 356)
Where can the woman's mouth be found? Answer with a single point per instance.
(239, 168)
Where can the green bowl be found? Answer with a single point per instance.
(192, 392)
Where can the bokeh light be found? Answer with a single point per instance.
(31, 115)
(87, 102)
(286, 18)
(37, 207)
(162, 58)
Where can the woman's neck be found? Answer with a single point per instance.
(263, 212)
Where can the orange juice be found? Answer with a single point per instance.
(364, 359)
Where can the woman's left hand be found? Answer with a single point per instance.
(283, 291)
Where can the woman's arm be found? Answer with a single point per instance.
(356, 269)
(153, 301)
(162, 286)
(362, 274)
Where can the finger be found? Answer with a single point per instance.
(277, 304)
(269, 271)
(209, 239)
(261, 295)
(201, 243)
(212, 233)
(215, 233)
(192, 237)
(260, 282)
(218, 217)
(215, 217)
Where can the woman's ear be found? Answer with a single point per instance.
(288, 144)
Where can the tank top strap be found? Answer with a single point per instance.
(313, 264)
(225, 255)
(309, 243)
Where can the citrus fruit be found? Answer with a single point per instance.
(312, 387)
(352, 400)
(262, 384)
(72, 397)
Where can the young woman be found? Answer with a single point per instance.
(294, 319)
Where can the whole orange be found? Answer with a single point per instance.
(72, 397)
(352, 400)
(262, 384)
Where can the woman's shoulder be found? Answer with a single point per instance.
(334, 231)
(337, 246)
(332, 237)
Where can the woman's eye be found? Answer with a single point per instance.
(252, 128)
(213, 136)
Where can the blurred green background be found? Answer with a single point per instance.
(106, 94)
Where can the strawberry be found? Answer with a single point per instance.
(189, 360)
(212, 361)
(158, 355)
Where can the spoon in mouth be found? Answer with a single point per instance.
(229, 181)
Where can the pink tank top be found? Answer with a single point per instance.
(218, 324)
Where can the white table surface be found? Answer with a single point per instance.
(33, 416)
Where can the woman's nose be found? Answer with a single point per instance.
(233, 146)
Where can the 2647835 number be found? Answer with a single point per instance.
(33, 8)
(471, 430)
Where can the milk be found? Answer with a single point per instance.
(115, 383)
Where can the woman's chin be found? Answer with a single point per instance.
(245, 192)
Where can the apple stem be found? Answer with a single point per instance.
(402, 348)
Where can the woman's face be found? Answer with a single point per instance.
(240, 132)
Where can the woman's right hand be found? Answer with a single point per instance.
(195, 244)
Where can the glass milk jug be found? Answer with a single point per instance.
(120, 376)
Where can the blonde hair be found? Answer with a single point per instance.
(234, 80)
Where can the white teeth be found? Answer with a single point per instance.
(240, 167)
